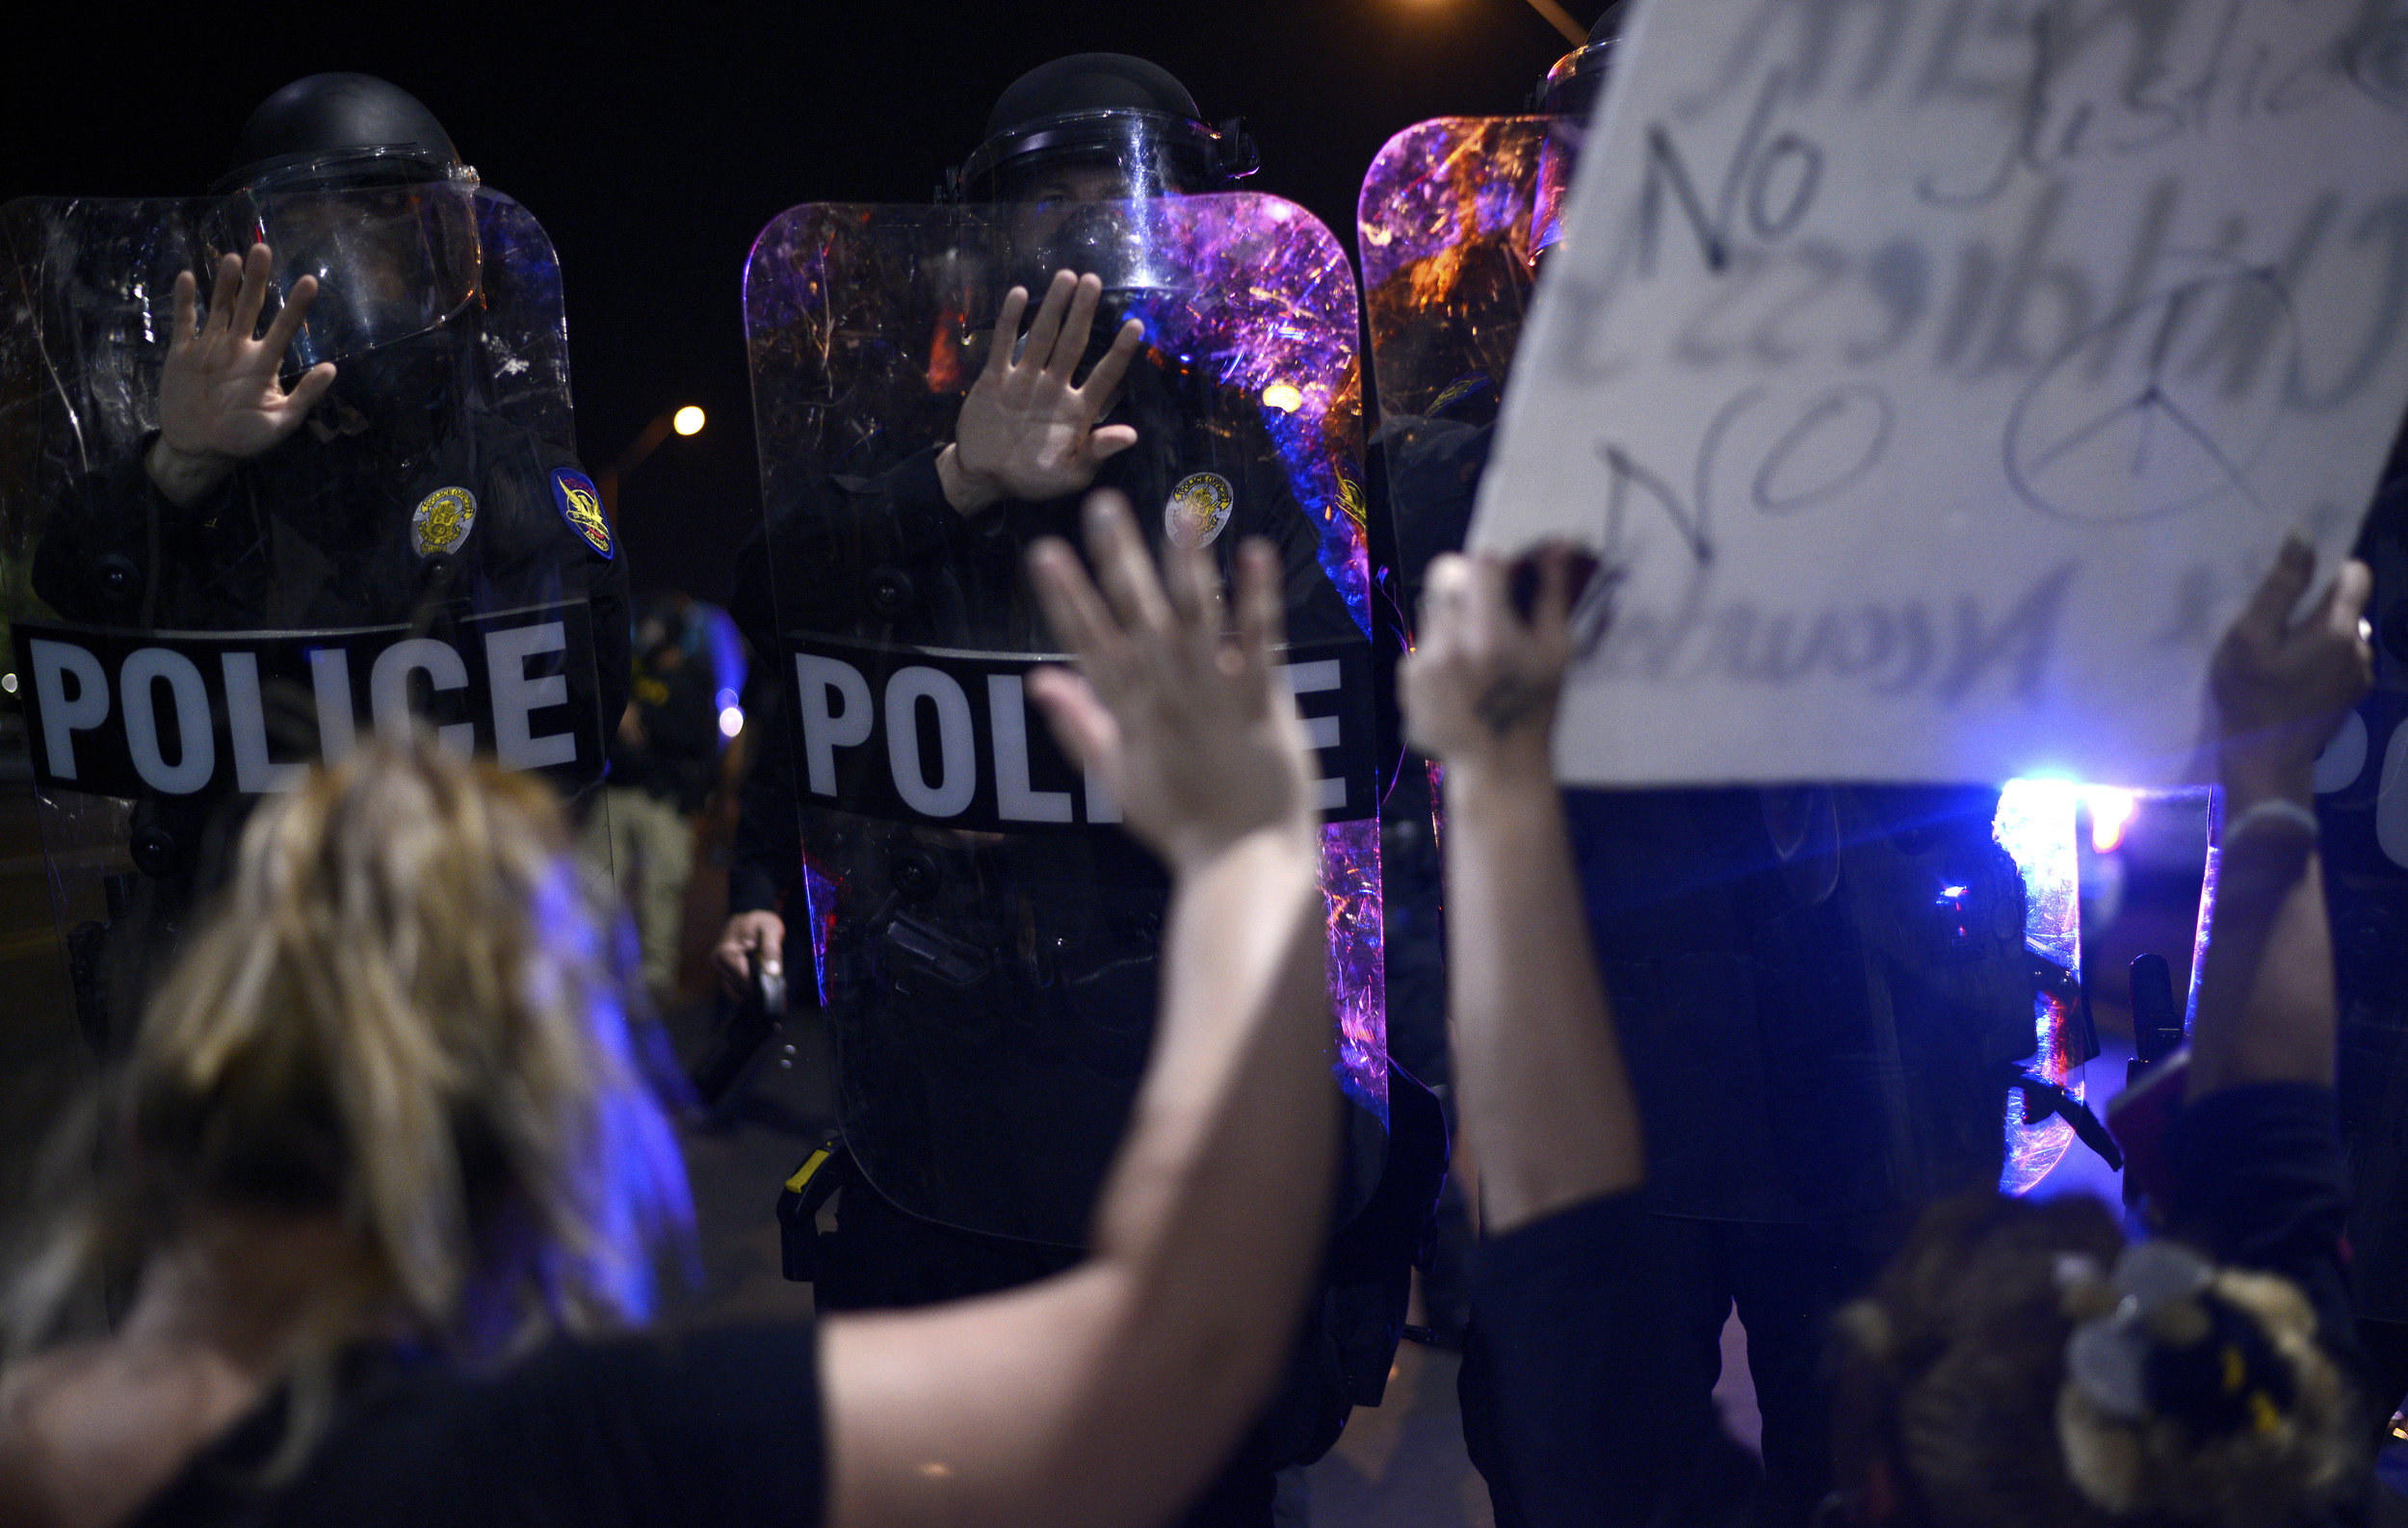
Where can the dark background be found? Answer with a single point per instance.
(654, 144)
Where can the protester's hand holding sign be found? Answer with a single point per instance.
(1482, 686)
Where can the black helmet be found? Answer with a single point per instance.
(352, 180)
(1569, 94)
(1570, 89)
(1105, 110)
(341, 130)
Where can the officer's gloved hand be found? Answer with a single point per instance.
(749, 937)
(1024, 432)
(220, 401)
(1183, 718)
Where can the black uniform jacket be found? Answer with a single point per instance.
(317, 534)
(887, 558)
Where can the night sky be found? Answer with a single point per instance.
(654, 144)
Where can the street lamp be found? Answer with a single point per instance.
(1562, 20)
(686, 421)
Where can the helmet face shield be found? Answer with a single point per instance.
(1569, 98)
(392, 261)
(1114, 155)
(1108, 240)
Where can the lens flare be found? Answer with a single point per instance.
(2111, 815)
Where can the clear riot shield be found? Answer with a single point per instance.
(1445, 225)
(985, 937)
(1453, 221)
(423, 551)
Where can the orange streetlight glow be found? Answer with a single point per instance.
(688, 421)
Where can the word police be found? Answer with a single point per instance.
(935, 736)
(121, 713)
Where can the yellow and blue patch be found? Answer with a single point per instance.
(580, 506)
(1464, 388)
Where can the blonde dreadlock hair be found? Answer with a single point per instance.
(1954, 1369)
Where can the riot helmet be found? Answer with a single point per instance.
(1569, 95)
(1100, 127)
(352, 180)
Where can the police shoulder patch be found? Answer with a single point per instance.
(442, 522)
(580, 506)
(1471, 384)
(1198, 510)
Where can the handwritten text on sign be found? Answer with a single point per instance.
(1943, 372)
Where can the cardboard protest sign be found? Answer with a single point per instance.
(1940, 375)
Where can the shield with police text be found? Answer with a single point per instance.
(987, 937)
(192, 622)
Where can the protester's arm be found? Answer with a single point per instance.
(1596, 1422)
(1108, 1394)
(2281, 689)
(1545, 1099)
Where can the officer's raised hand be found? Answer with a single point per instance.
(220, 402)
(1184, 718)
(1025, 432)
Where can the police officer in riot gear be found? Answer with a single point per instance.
(1824, 993)
(353, 465)
(994, 1003)
(1083, 128)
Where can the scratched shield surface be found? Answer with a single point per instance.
(171, 665)
(1939, 378)
(985, 933)
(1444, 225)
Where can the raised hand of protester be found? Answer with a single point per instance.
(1178, 711)
(1481, 684)
(2283, 687)
(1025, 432)
(219, 399)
